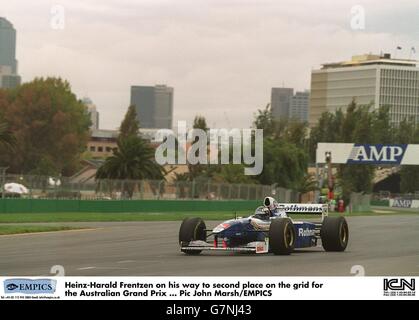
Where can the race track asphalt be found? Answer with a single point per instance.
(382, 245)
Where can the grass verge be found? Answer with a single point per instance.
(137, 216)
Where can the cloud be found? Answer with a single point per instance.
(222, 57)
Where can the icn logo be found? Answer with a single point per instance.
(399, 287)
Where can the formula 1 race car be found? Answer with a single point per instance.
(262, 233)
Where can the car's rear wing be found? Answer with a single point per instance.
(305, 208)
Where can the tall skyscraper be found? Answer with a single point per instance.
(154, 106)
(300, 106)
(94, 114)
(8, 63)
(369, 79)
(287, 105)
(281, 102)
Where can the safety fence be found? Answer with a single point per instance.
(42, 187)
(115, 206)
(385, 195)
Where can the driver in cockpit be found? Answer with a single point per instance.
(273, 209)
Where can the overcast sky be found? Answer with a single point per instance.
(222, 57)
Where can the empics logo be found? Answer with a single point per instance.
(30, 286)
(399, 287)
(12, 286)
(377, 154)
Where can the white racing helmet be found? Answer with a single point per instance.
(270, 203)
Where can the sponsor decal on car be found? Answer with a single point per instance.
(302, 208)
(221, 227)
(306, 232)
(263, 246)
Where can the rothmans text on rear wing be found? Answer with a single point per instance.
(300, 208)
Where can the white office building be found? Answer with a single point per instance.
(369, 79)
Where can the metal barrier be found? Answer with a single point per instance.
(43, 187)
(386, 195)
(116, 206)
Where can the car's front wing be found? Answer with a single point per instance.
(252, 247)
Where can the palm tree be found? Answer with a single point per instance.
(133, 160)
(181, 180)
(306, 184)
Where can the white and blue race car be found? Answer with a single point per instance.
(269, 229)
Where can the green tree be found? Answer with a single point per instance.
(306, 184)
(296, 133)
(292, 131)
(283, 163)
(233, 173)
(199, 170)
(130, 125)
(50, 126)
(132, 160)
(284, 157)
(182, 181)
(408, 132)
(327, 130)
(383, 130)
(7, 139)
(357, 178)
(200, 122)
(349, 122)
(264, 120)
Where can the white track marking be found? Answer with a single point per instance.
(86, 268)
(47, 232)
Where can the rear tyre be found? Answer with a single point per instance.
(334, 233)
(282, 236)
(191, 229)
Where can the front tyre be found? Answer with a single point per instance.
(282, 236)
(191, 229)
(334, 233)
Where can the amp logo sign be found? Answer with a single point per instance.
(377, 154)
(399, 287)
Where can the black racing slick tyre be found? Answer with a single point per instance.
(282, 236)
(334, 233)
(191, 229)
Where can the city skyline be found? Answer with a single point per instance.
(199, 49)
(9, 77)
(154, 106)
